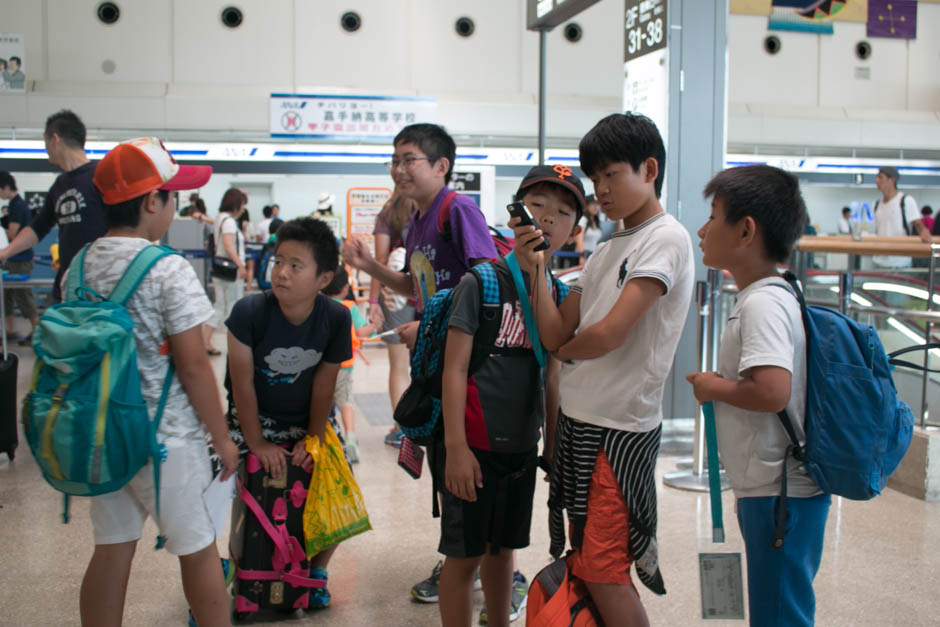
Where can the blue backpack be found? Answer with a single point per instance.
(857, 429)
(418, 413)
(84, 417)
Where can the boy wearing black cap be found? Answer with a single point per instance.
(896, 214)
(492, 420)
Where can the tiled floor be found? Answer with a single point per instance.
(880, 566)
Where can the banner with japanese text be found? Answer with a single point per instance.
(346, 117)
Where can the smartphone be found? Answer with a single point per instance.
(411, 458)
(518, 210)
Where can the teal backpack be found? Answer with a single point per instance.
(84, 417)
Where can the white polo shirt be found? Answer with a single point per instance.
(624, 388)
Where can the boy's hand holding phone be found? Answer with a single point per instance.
(527, 239)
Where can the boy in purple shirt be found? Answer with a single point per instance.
(421, 167)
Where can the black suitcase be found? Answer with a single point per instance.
(8, 438)
(267, 541)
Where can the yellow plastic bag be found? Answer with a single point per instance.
(334, 510)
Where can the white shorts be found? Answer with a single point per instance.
(184, 518)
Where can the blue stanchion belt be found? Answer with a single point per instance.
(714, 476)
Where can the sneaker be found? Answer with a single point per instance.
(426, 591)
(520, 595)
(393, 438)
(228, 571)
(319, 597)
(352, 448)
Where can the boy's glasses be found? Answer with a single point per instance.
(407, 162)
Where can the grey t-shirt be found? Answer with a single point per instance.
(506, 396)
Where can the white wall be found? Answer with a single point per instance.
(176, 68)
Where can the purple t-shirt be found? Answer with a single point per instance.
(437, 264)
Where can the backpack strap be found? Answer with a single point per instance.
(523, 295)
(136, 271)
(907, 229)
(797, 450)
(894, 361)
(75, 287)
(490, 318)
(443, 216)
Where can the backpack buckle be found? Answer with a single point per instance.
(59, 393)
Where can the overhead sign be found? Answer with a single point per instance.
(646, 27)
(547, 14)
(346, 117)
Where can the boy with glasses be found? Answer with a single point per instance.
(421, 166)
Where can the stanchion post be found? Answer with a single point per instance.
(845, 289)
(928, 332)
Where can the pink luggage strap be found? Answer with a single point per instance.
(284, 552)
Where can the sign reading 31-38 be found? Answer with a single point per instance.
(646, 27)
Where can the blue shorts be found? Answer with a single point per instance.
(780, 581)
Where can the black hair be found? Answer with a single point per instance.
(127, 213)
(7, 180)
(768, 195)
(266, 212)
(433, 141)
(846, 210)
(318, 237)
(242, 219)
(544, 187)
(274, 226)
(339, 286)
(68, 127)
(18, 60)
(623, 137)
(926, 210)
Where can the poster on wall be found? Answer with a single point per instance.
(362, 206)
(12, 63)
(346, 117)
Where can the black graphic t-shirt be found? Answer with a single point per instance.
(74, 205)
(286, 356)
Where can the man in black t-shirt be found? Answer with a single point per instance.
(73, 202)
(18, 217)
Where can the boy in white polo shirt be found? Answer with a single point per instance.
(616, 333)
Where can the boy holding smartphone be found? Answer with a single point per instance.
(492, 420)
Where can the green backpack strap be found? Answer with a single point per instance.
(137, 270)
(75, 287)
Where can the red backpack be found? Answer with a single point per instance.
(557, 599)
(503, 244)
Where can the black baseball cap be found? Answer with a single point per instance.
(559, 175)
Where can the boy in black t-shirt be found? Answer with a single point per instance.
(285, 347)
(492, 421)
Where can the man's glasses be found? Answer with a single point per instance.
(407, 162)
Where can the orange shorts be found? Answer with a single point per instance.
(604, 556)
